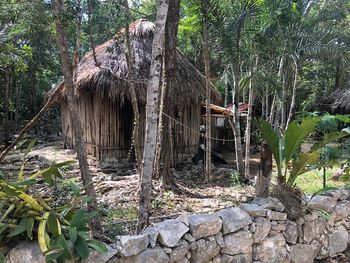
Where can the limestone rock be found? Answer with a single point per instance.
(276, 215)
(152, 234)
(241, 258)
(219, 239)
(233, 219)
(313, 229)
(150, 255)
(132, 245)
(170, 232)
(254, 209)
(302, 253)
(262, 228)
(338, 241)
(341, 210)
(270, 203)
(184, 219)
(272, 249)
(238, 242)
(25, 252)
(96, 256)
(291, 232)
(323, 202)
(204, 225)
(206, 250)
(179, 252)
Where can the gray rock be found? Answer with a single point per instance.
(341, 210)
(262, 228)
(276, 215)
(291, 232)
(272, 249)
(313, 229)
(25, 252)
(132, 245)
(302, 253)
(204, 225)
(279, 226)
(219, 239)
(270, 203)
(152, 235)
(206, 250)
(150, 255)
(233, 219)
(179, 252)
(241, 258)
(238, 243)
(96, 256)
(338, 241)
(170, 232)
(189, 237)
(323, 202)
(253, 209)
(184, 219)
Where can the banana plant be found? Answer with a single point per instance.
(286, 148)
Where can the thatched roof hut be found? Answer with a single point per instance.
(339, 101)
(105, 108)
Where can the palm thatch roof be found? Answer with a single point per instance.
(110, 78)
(339, 101)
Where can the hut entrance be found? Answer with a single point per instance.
(125, 119)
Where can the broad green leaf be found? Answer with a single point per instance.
(79, 219)
(63, 243)
(10, 190)
(54, 224)
(92, 214)
(2, 258)
(81, 247)
(29, 148)
(20, 184)
(73, 234)
(53, 253)
(271, 137)
(97, 245)
(326, 189)
(30, 225)
(22, 227)
(301, 163)
(328, 138)
(75, 188)
(296, 133)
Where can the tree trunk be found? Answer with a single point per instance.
(151, 116)
(208, 93)
(249, 121)
(6, 108)
(264, 177)
(170, 67)
(67, 69)
(295, 86)
(130, 61)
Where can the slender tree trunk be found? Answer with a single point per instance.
(6, 108)
(338, 75)
(249, 121)
(295, 86)
(267, 112)
(151, 116)
(208, 93)
(130, 61)
(170, 68)
(264, 177)
(273, 106)
(226, 96)
(67, 69)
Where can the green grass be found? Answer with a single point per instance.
(122, 213)
(312, 181)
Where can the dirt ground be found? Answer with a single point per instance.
(117, 185)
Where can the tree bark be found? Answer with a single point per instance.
(151, 116)
(208, 93)
(249, 121)
(264, 177)
(130, 61)
(295, 86)
(67, 69)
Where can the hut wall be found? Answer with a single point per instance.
(108, 124)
